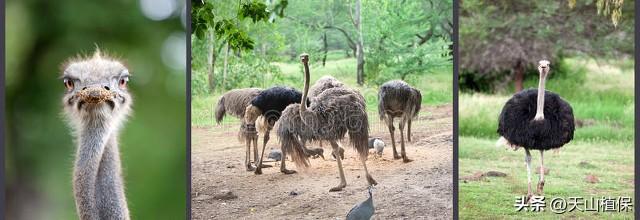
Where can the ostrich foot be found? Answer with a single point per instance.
(250, 167)
(338, 188)
(371, 180)
(540, 188)
(285, 171)
(528, 198)
(396, 156)
(258, 171)
(405, 159)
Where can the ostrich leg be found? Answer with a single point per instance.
(283, 167)
(264, 144)
(250, 134)
(527, 160)
(343, 181)
(393, 140)
(402, 151)
(541, 182)
(409, 129)
(247, 158)
(370, 179)
(255, 150)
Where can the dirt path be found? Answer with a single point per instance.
(421, 189)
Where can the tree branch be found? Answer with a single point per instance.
(350, 41)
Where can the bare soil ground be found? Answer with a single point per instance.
(421, 189)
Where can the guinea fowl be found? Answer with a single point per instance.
(377, 144)
(275, 154)
(363, 210)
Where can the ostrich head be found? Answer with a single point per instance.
(96, 90)
(543, 67)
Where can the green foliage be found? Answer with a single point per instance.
(395, 45)
(495, 38)
(247, 71)
(399, 62)
(611, 8)
(199, 83)
(401, 40)
(205, 16)
(256, 11)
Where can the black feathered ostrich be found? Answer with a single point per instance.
(536, 120)
(269, 104)
(396, 99)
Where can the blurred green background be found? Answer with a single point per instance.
(150, 36)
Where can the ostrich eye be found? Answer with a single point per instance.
(68, 83)
(123, 81)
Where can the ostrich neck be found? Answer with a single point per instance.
(97, 180)
(540, 103)
(303, 102)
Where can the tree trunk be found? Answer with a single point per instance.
(226, 66)
(211, 61)
(325, 48)
(359, 44)
(519, 76)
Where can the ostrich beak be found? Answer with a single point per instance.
(544, 66)
(95, 94)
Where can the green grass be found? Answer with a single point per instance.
(436, 88)
(602, 97)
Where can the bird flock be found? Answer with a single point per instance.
(329, 111)
(325, 112)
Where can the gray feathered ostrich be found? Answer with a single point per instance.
(269, 104)
(324, 83)
(536, 120)
(334, 113)
(235, 103)
(97, 102)
(396, 99)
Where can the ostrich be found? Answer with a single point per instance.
(324, 83)
(96, 104)
(269, 104)
(396, 99)
(536, 120)
(235, 103)
(334, 113)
